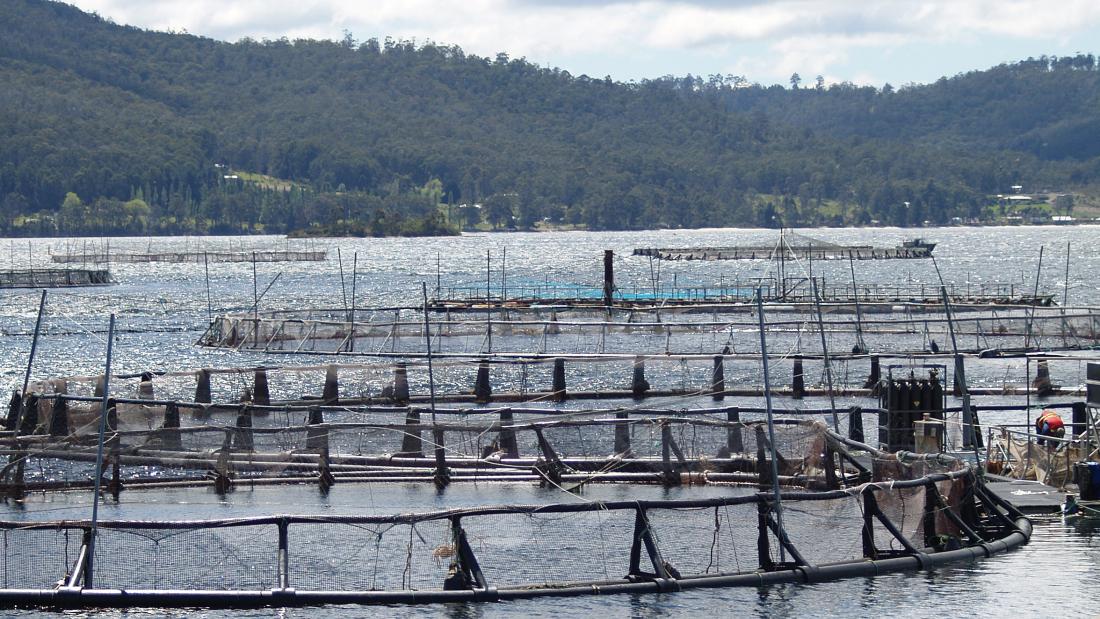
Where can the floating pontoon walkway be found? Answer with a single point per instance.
(192, 256)
(736, 292)
(1028, 496)
(791, 246)
(54, 278)
(761, 252)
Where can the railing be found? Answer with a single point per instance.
(625, 333)
(906, 520)
(738, 290)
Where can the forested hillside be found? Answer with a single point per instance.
(106, 129)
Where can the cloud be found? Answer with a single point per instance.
(771, 39)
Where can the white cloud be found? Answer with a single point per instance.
(771, 39)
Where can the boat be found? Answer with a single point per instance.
(918, 243)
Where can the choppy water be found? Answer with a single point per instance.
(162, 310)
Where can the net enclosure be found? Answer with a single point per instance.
(846, 510)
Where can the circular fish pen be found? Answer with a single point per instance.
(883, 511)
(899, 329)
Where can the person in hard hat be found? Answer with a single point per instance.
(1049, 423)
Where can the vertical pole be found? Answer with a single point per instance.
(608, 276)
(718, 378)
(652, 279)
(354, 280)
(34, 342)
(960, 373)
(1034, 297)
(284, 555)
(1027, 409)
(99, 452)
(442, 475)
(782, 288)
(255, 303)
(1065, 298)
(488, 302)
(503, 277)
(859, 312)
(206, 267)
(343, 288)
(771, 423)
(438, 278)
(659, 261)
(825, 353)
(1065, 290)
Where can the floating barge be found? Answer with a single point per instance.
(793, 246)
(191, 256)
(54, 278)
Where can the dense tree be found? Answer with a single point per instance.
(107, 129)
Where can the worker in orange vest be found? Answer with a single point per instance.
(1049, 423)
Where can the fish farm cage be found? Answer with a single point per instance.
(786, 289)
(802, 498)
(884, 511)
(54, 278)
(553, 330)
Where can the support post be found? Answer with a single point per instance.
(325, 479)
(763, 470)
(401, 383)
(331, 393)
(855, 424)
(718, 378)
(34, 341)
(608, 276)
(442, 475)
(553, 328)
(261, 392)
(1080, 419)
(202, 387)
(316, 434)
(28, 421)
(170, 428)
(622, 435)
(670, 475)
(551, 467)
(88, 575)
(829, 465)
(412, 446)
(558, 390)
(735, 443)
(465, 572)
(145, 387)
(639, 385)
(284, 556)
(874, 377)
(870, 506)
(59, 417)
(15, 405)
(242, 438)
(798, 381)
(643, 537)
(778, 509)
(507, 436)
(956, 382)
(483, 389)
(763, 544)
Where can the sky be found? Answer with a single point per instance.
(870, 42)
